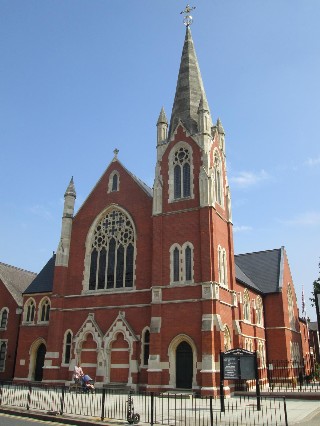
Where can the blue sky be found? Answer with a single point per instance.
(80, 78)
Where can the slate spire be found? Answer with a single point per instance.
(189, 90)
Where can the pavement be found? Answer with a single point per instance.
(300, 412)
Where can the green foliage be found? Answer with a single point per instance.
(316, 289)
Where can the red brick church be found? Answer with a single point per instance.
(145, 289)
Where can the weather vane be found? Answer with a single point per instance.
(187, 20)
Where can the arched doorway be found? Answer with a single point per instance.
(38, 371)
(184, 366)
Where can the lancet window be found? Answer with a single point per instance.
(180, 172)
(181, 263)
(44, 310)
(67, 347)
(3, 353)
(29, 310)
(112, 253)
(3, 318)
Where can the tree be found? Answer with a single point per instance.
(316, 289)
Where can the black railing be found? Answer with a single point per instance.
(161, 409)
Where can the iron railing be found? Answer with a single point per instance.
(161, 409)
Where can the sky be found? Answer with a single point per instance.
(79, 78)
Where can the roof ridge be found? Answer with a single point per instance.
(18, 269)
(259, 251)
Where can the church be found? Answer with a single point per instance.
(144, 289)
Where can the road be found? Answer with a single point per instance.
(10, 420)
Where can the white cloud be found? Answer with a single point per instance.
(312, 162)
(246, 179)
(242, 228)
(304, 219)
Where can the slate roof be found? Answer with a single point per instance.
(263, 269)
(43, 283)
(16, 280)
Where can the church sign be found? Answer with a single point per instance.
(238, 364)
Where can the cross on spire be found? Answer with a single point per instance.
(187, 20)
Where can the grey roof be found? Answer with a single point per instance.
(189, 89)
(242, 277)
(263, 268)
(43, 283)
(16, 280)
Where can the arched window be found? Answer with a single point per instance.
(114, 182)
(188, 264)
(44, 310)
(246, 306)
(259, 311)
(4, 318)
(176, 265)
(67, 347)
(261, 353)
(180, 172)
(112, 252)
(226, 338)
(217, 180)
(146, 347)
(181, 259)
(29, 310)
(3, 353)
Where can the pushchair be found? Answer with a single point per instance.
(87, 384)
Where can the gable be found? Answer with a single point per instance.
(16, 280)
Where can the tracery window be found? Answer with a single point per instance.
(44, 310)
(180, 172)
(4, 318)
(246, 306)
(3, 353)
(227, 338)
(112, 252)
(181, 263)
(67, 347)
(29, 310)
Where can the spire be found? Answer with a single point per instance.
(189, 89)
(162, 117)
(220, 127)
(71, 189)
(162, 127)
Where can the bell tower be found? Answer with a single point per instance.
(193, 257)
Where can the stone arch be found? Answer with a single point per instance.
(172, 349)
(33, 353)
(120, 326)
(91, 336)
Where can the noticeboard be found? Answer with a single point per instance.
(238, 364)
(231, 367)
